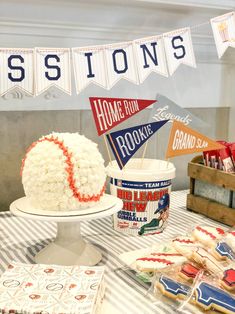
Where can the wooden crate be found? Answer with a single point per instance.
(214, 180)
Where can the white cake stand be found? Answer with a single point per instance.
(68, 248)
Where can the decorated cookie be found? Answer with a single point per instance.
(228, 280)
(230, 239)
(223, 251)
(185, 245)
(171, 288)
(188, 271)
(204, 258)
(210, 297)
(207, 235)
(158, 260)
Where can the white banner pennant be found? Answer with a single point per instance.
(120, 63)
(224, 32)
(16, 66)
(150, 56)
(89, 67)
(52, 69)
(179, 49)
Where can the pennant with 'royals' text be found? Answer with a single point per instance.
(109, 112)
(184, 140)
(52, 69)
(17, 72)
(179, 49)
(224, 32)
(89, 67)
(126, 142)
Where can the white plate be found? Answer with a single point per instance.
(24, 206)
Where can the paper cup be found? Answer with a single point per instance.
(144, 186)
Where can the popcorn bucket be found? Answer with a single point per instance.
(144, 187)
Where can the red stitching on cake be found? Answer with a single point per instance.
(151, 259)
(68, 169)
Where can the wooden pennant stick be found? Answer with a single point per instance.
(143, 155)
(107, 147)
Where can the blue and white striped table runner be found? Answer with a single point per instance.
(21, 239)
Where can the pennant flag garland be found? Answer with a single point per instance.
(89, 67)
(17, 67)
(109, 112)
(53, 69)
(184, 140)
(150, 56)
(120, 63)
(224, 32)
(126, 142)
(179, 49)
(168, 109)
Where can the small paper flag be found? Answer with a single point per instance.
(126, 142)
(109, 112)
(184, 140)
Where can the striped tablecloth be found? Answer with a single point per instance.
(21, 239)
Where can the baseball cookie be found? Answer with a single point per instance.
(156, 261)
(207, 235)
(185, 245)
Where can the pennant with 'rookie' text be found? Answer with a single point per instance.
(126, 142)
(109, 112)
(184, 140)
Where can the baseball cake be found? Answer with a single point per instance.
(63, 171)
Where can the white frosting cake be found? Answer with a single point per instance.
(63, 171)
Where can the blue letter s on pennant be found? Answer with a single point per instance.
(54, 67)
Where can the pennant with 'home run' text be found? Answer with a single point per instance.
(109, 112)
(184, 140)
(126, 142)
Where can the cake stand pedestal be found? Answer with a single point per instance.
(68, 248)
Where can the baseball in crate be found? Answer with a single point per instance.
(144, 186)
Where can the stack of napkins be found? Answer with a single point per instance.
(51, 289)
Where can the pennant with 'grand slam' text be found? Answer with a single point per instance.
(184, 140)
(126, 142)
(109, 112)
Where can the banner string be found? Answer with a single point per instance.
(199, 25)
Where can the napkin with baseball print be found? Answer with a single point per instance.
(31, 289)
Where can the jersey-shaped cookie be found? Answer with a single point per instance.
(171, 288)
(210, 297)
(223, 251)
(188, 271)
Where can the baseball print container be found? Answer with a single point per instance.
(144, 186)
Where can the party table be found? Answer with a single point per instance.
(21, 239)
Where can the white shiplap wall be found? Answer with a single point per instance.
(61, 23)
